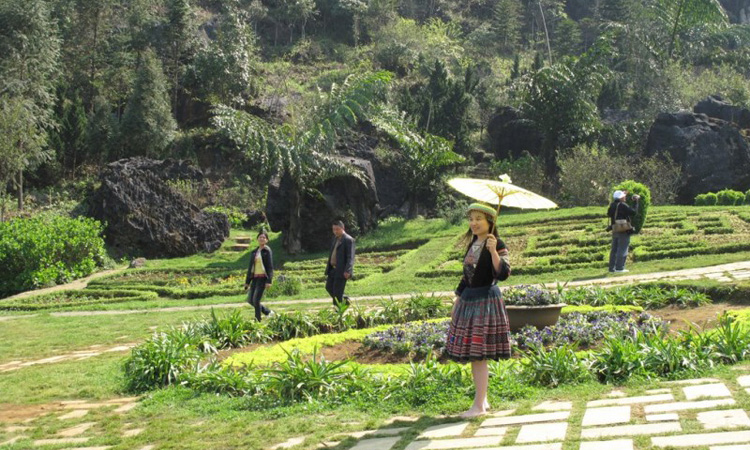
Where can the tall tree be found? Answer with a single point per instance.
(179, 42)
(29, 54)
(567, 40)
(147, 125)
(506, 18)
(305, 153)
(679, 17)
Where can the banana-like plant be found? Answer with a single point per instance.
(683, 17)
(304, 153)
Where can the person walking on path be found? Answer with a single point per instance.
(340, 266)
(479, 329)
(259, 275)
(619, 211)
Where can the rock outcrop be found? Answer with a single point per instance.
(713, 153)
(146, 217)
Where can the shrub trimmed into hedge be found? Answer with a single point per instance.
(645, 202)
(72, 298)
(46, 250)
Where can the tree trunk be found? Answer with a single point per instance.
(293, 237)
(19, 186)
(413, 206)
(551, 183)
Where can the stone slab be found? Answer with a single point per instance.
(441, 444)
(491, 431)
(385, 443)
(631, 430)
(444, 430)
(76, 430)
(631, 400)
(716, 390)
(542, 432)
(505, 413)
(608, 415)
(548, 446)
(526, 419)
(659, 391)
(289, 443)
(728, 418)
(553, 406)
(744, 380)
(133, 432)
(12, 441)
(693, 381)
(618, 444)
(126, 407)
(730, 447)
(666, 417)
(683, 406)
(379, 432)
(40, 442)
(75, 414)
(616, 394)
(103, 447)
(697, 440)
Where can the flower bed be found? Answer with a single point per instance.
(583, 329)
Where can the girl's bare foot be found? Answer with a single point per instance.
(486, 405)
(473, 412)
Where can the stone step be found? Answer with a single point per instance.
(243, 240)
(239, 247)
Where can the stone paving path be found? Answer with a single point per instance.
(78, 430)
(80, 355)
(687, 413)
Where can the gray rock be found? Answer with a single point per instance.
(510, 134)
(713, 153)
(144, 215)
(737, 10)
(137, 263)
(715, 107)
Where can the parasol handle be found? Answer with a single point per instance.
(497, 217)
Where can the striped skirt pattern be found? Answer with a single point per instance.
(479, 327)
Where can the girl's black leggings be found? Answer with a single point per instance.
(255, 294)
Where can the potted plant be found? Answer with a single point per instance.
(530, 305)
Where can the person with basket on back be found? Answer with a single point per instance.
(620, 215)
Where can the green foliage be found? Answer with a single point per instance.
(75, 298)
(731, 340)
(147, 125)
(235, 215)
(635, 188)
(161, 360)
(284, 285)
(554, 366)
(747, 197)
(729, 197)
(233, 330)
(300, 378)
(45, 250)
(617, 361)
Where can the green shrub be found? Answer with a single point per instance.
(234, 330)
(730, 197)
(747, 197)
(700, 200)
(616, 361)
(284, 285)
(711, 199)
(73, 298)
(645, 202)
(732, 340)
(234, 214)
(553, 366)
(160, 360)
(45, 250)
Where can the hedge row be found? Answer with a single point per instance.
(725, 197)
(73, 298)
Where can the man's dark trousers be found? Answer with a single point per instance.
(335, 287)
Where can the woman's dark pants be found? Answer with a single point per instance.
(619, 251)
(257, 287)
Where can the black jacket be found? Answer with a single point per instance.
(266, 255)
(344, 257)
(624, 211)
(484, 273)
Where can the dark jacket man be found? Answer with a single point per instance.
(340, 265)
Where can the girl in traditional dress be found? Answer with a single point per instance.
(479, 329)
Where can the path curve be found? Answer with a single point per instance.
(80, 283)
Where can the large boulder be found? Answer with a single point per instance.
(715, 107)
(737, 10)
(511, 134)
(147, 217)
(713, 153)
(351, 198)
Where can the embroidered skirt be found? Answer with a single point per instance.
(479, 327)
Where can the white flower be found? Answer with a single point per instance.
(505, 178)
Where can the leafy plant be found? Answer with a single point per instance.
(299, 379)
(526, 295)
(554, 366)
(617, 360)
(644, 192)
